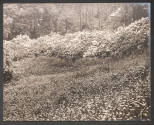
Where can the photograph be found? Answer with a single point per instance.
(76, 62)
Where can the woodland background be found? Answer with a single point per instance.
(36, 20)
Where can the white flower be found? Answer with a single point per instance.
(94, 42)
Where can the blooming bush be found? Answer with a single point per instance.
(24, 41)
(135, 34)
(82, 44)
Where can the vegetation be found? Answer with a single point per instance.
(85, 75)
(79, 92)
(36, 20)
(81, 44)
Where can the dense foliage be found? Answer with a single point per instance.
(80, 44)
(36, 20)
(79, 92)
(90, 86)
(135, 36)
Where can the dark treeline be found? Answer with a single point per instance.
(36, 20)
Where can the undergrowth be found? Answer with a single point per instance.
(87, 93)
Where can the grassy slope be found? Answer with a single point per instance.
(52, 89)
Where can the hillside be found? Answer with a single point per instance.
(82, 93)
(80, 76)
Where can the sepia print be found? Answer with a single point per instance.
(76, 62)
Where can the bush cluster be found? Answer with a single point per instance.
(95, 43)
(131, 37)
(73, 46)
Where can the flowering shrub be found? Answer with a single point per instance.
(14, 50)
(11, 52)
(135, 34)
(24, 41)
(82, 44)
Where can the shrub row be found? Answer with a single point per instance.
(80, 44)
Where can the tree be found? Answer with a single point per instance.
(139, 11)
